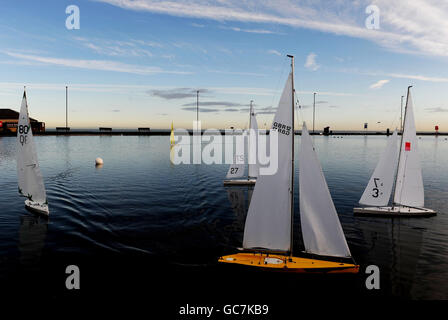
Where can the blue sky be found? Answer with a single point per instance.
(138, 63)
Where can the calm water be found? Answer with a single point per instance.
(141, 223)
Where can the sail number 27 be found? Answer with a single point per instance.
(23, 131)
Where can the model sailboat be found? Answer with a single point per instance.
(409, 193)
(31, 184)
(236, 169)
(268, 236)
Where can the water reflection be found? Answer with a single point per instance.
(239, 202)
(32, 233)
(395, 247)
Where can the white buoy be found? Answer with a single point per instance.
(98, 161)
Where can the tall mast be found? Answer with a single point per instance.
(197, 105)
(248, 139)
(250, 114)
(401, 144)
(292, 153)
(401, 115)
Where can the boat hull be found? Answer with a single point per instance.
(240, 182)
(282, 263)
(40, 208)
(397, 211)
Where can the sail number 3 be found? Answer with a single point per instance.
(23, 131)
(376, 191)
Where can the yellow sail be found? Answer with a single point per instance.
(172, 135)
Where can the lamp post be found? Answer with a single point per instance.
(66, 108)
(314, 109)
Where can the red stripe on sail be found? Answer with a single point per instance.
(407, 146)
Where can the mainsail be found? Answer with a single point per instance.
(236, 169)
(31, 184)
(252, 146)
(379, 188)
(268, 221)
(321, 229)
(409, 186)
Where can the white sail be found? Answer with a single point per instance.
(409, 186)
(252, 146)
(321, 229)
(268, 221)
(379, 188)
(31, 184)
(236, 169)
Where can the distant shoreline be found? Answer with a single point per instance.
(164, 132)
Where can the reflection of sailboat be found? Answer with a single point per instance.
(238, 201)
(31, 184)
(396, 248)
(268, 234)
(409, 192)
(172, 140)
(32, 235)
(236, 170)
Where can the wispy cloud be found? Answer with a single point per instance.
(116, 48)
(197, 25)
(310, 62)
(259, 31)
(201, 109)
(216, 103)
(378, 84)
(437, 109)
(102, 65)
(177, 93)
(275, 52)
(408, 26)
(396, 75)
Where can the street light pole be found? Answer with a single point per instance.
(314, 109)
(66, 108)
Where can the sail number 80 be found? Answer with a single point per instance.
(23, 130)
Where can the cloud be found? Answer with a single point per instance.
(378, 84)
(238, 73)
(266, 110)
(437, 109)
(396, 75)
(201, 109)
(259, 31)
(177, 93)
(417, 27)
(197, 25)
(310, 62)
(117, 48)
(102, 65)
(274, 52)
(215, 103)
(231, 110)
